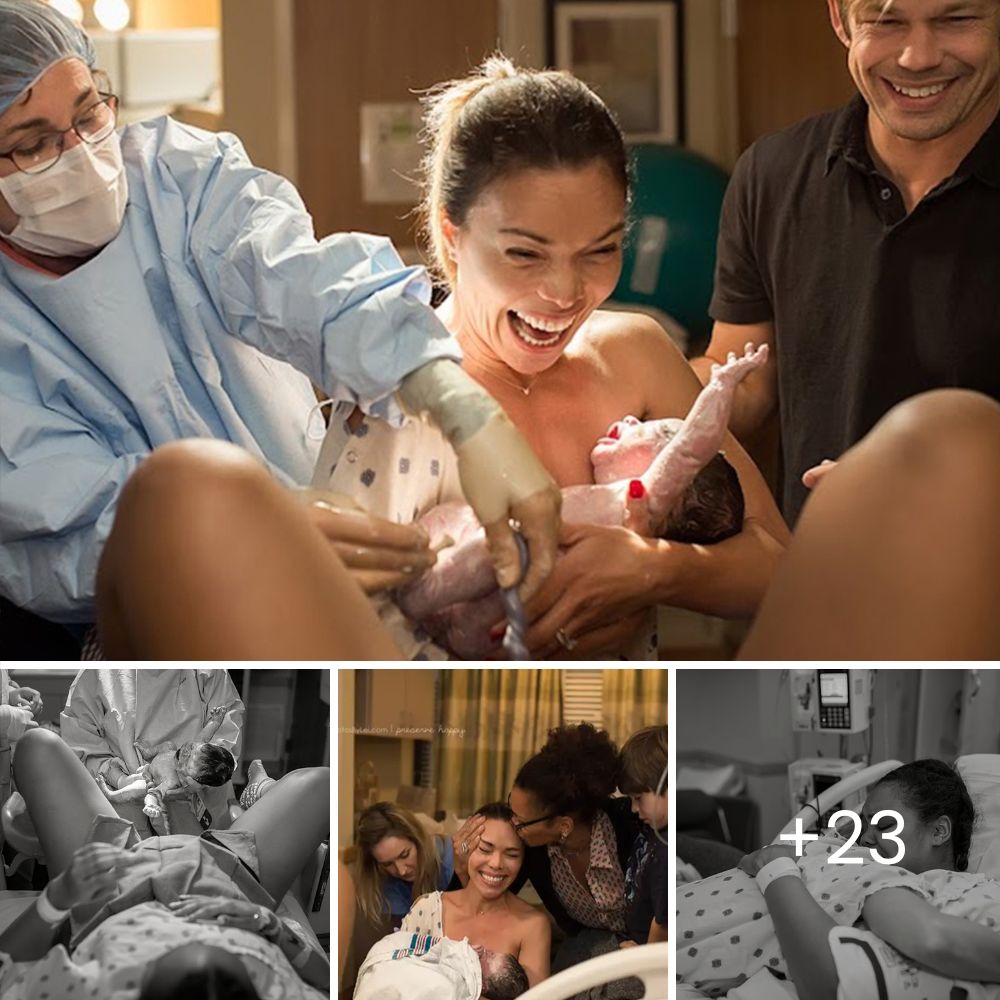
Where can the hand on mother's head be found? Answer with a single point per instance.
(464, 842)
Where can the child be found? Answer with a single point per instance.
(662, 478)
(643, 762)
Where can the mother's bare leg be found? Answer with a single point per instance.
(288, 824)
(210, 558)
(61, 796)
(896, 554)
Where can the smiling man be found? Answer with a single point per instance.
(862, 244)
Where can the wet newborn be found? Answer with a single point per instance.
(692, 495)
(170, 767)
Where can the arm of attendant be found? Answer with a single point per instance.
(657, 932)
(217, 688)
(757, 395)
(53, 537)
(343, 310)
(951, 946)
(535, 947)
(803, 929)
(81, 726)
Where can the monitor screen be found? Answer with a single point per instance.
(833, 689)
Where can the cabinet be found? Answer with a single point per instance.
(395, 703)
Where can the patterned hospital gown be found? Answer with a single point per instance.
(113, 943)
(400, 474)
(726, 934)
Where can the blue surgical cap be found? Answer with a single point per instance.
(33, 37)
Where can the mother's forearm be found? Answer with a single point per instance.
(728, 579)
(803, 931)
(29, 937)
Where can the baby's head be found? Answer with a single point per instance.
(504, 977)
(711, 508)
(205, 763)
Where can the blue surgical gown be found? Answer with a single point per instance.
(207, 316)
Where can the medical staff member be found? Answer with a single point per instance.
(157, 286)
(108, 710)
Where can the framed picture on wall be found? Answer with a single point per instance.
(630, 52)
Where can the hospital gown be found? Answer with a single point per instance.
(113, 944)
(109, 708)
(725, 934)
(206, 317)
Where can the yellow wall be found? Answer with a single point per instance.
(154, 15)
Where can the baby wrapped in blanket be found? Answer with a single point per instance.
(725, 934)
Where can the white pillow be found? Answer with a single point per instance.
(981, 772)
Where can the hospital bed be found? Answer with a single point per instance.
(649, 962)
(981, 773)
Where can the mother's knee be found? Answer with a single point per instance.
(310, 780)
(943, 428)
(34, 751)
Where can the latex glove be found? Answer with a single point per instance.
(813, 476)
(379, 554)
(595, 594)
(503, 480)
(501, 476)
(26, 697)
(132, 789)
(92, 875)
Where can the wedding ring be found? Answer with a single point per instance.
(567, 642)
(464, 848)
(256, 916)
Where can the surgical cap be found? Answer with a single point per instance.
(33, 37)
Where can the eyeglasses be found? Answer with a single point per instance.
(93, 125)
(518, 827)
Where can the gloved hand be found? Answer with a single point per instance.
(504, 481)
(501, 476)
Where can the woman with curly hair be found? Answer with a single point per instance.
(578, 839)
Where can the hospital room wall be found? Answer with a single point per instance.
(744, 716)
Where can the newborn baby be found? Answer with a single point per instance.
(692, 494)
(171, 767)
(407, 966)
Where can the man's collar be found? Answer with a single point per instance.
(849, 139)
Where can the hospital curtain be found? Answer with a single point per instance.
(492, 721)
(633, 699)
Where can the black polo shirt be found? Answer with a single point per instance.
(869, 305)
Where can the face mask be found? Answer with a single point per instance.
(73, 208)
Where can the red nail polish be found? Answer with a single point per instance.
(636, 490)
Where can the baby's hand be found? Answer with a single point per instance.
(737, 368)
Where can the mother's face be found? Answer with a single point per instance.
(926, 845)
(497, 859)
(539, 251)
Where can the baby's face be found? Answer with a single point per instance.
(629, 447)
(185, 765)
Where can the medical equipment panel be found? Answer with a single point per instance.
(810, 776)
(836, 700)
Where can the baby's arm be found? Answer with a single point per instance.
(699, 437)
(952, 946)
(215, 717)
